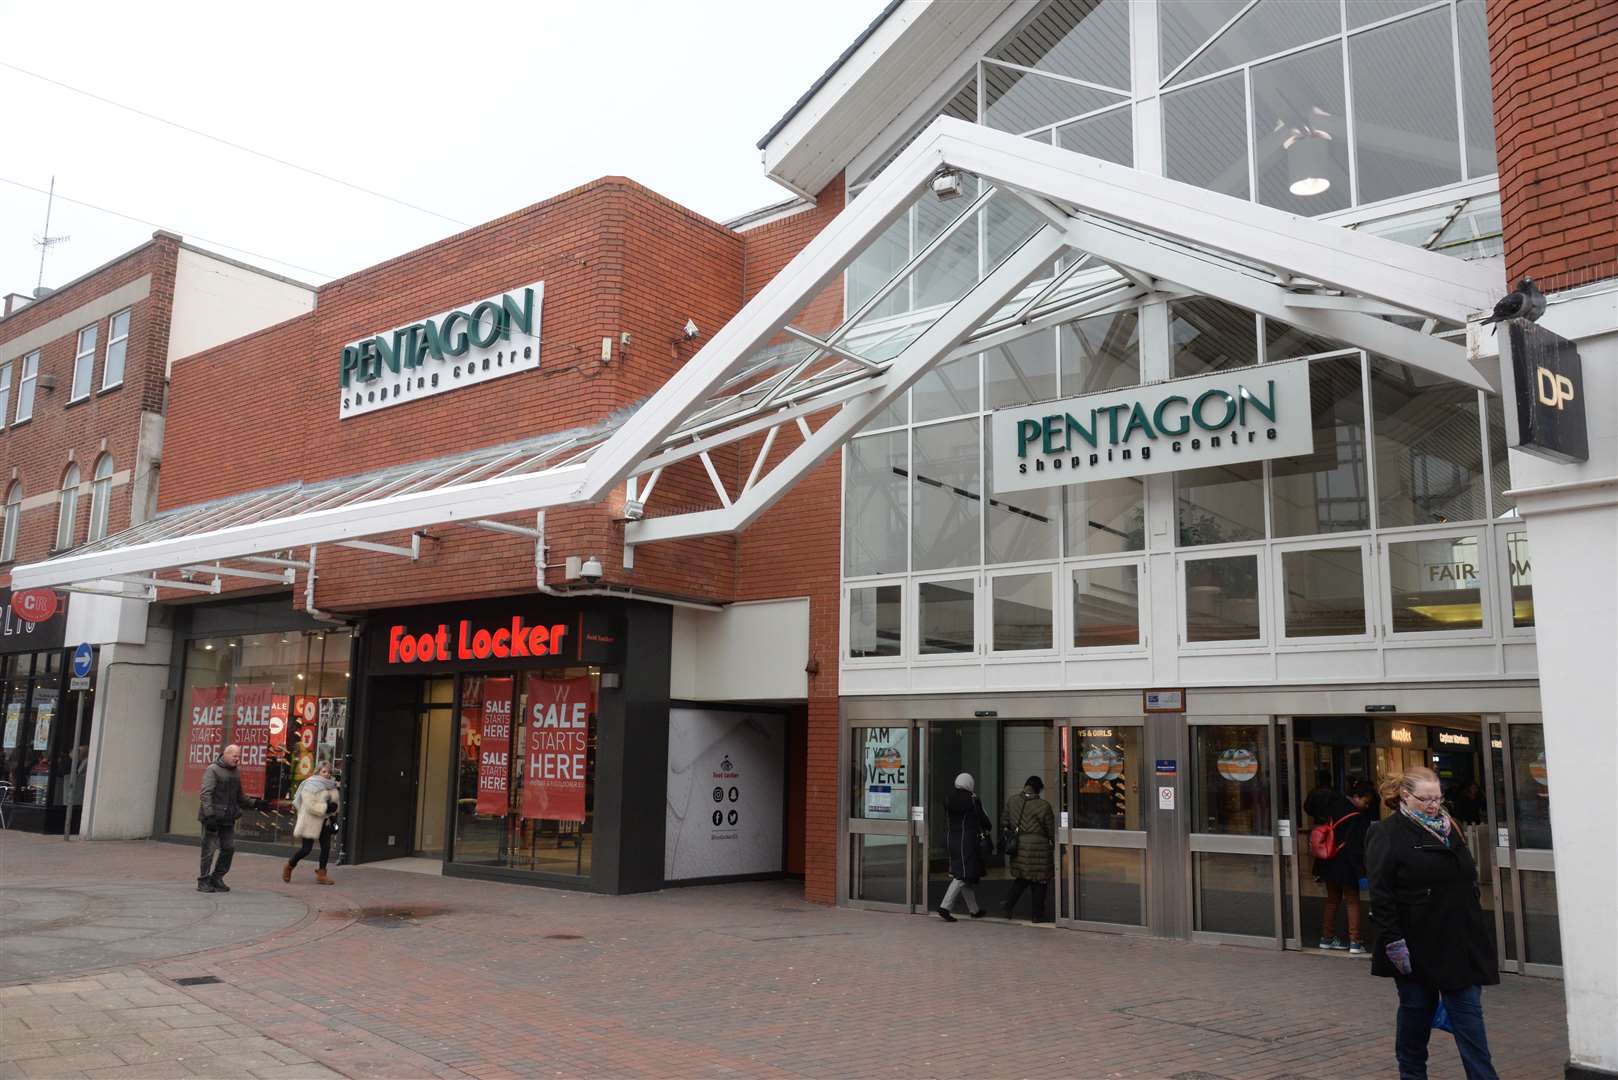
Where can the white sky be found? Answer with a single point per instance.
(472, 109)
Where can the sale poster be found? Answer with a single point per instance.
(206, 736)
(253, 704)
(302, 737)
(44, 718)
(557, 748)
(280, 708)
(494, 747)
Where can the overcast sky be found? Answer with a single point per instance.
(468, 109)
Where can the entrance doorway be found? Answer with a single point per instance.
(435, 753)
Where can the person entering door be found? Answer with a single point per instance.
(967, 822)
(1029, 836)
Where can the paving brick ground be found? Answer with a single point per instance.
(404, 975)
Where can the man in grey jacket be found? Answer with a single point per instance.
(218, 809)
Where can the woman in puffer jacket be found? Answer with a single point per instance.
(316, 804)
(1030, 817)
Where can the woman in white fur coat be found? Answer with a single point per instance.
(316, 804)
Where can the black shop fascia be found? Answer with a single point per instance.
(431, 677)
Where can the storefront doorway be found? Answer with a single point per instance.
(435, 732)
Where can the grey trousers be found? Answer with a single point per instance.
(224, 842)
(957, 887)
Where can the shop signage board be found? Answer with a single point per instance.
(497, 636)
(18, 634)
(466, 346)
(205, 736)
(254, 702)
(493, 724)
(1546, 377)
(725, 794)
(1248, 414)
(34, 605)
(1163, 700)
(556, 748)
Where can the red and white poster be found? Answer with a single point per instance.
(254, 701)
(494, 747)
(279, 707)
(302, 724)
(557, 748)
(207, 735)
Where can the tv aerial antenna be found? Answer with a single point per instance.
(45, 241)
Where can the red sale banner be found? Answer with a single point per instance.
(254, 702)
(207, 734)
(279, 708)
(494, 747)
(558, 744)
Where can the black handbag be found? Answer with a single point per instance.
(1010, 833)
(985, 837)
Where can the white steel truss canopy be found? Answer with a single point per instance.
(1157, 236)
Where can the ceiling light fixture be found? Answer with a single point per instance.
(1308, 153)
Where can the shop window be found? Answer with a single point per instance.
(27, 381)
(112, 372)
(67, 508)
(1106, 606)
(1222, 599)
(874, 621)
(1324, 592)
(1220, 504)
(84, 363)
(1205, 135)
(1429, 453)
(1435, 586)
(526, 794)
(1404, 107)
(1109, 136)
(1300, 132)
(946, 495)
(876, 508)
(37, 751)
(946, 612)
(1520, 567)
(1023, 611)
(1210, 335)
(1101, 352)
(1328, 490)
(283, 698)
(1104, 517)
(11, 523)
(100, 497)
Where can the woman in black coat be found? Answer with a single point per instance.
(967, 820)
(1341, 873)
(1433, 939)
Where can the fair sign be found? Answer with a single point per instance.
(1247, 414)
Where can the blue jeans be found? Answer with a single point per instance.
(1417, 1004)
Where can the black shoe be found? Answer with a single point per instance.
(218, 885)
(979, 913)
(945, 915)
(204, 885)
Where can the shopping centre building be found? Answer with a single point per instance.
(1131, 421)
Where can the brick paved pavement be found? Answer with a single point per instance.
(404, 975)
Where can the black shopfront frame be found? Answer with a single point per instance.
(628, 641)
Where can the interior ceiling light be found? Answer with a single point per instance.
(1308, 151)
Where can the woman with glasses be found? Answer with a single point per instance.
(1432, 938)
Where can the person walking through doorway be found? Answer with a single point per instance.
(967, 822)
(316, 804)
(1432, 938)
(1030, 830)
(218, 808)
(1343, 821)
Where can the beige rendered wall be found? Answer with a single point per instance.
(217, 300)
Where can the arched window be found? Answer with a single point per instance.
(12, 522)
(100, 498)
(69, 508)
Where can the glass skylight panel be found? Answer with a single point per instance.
(1086, 39)
(1183, 25)
(1019, 101)
(1301, 131)
(1404, 107)
(1269, 27)
(1205, 135)
(1476, 95)
(1109, 136)
(1365, 12)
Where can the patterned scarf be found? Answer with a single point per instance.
(1438, 824)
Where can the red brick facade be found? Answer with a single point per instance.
(37, 452)
(1554, 65)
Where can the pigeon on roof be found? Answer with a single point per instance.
(1525, 302)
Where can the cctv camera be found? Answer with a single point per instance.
(947, 184)
(690, 329)
(590, 572)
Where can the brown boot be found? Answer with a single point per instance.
(286, 872)
(321, 878)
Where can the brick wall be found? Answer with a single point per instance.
(792, 550)
(1555, 71)
(36, 453)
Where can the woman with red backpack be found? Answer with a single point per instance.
(1338, 844)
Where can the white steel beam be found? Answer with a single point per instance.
(285, 577)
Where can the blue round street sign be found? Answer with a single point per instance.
(82, 658)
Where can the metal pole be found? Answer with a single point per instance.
(73, 768)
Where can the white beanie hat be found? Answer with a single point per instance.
(965, 782)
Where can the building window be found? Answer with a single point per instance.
(282, 697)
(1328, 490)
(875, 505)
(1023, 611)
(117, 347)
(5, 392)
(1435, 585)
(1404, 107)
(1521, 568)
(947, 496)
(1210, 335)
(68, 509)
(1221, 599)
(1106, 606)
(12, 522)
(1324, 591)
(100, 497)
(26, 381)
(1429, 449)
(945, 611)
(875, 621)
(84, 364)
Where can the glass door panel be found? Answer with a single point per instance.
(434, 754)
(1531, 877)
(1106, 816)
(1234, 861)
(885, 793)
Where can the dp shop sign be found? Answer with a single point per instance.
(1229, 416)
(468, 345)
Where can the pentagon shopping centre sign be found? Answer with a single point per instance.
(466, 346)
(1249, 414)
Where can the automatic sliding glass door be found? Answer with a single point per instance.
(884, 849)
(1235, 865)
(1104, 827)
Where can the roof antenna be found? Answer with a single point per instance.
(45, 242)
